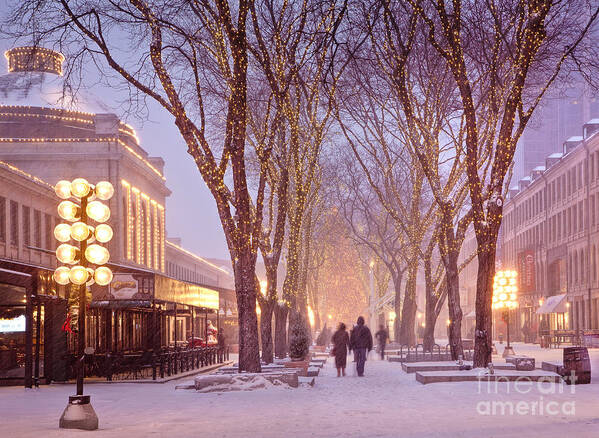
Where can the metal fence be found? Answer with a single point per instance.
(148, 365)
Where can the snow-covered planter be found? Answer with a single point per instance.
(245, 381)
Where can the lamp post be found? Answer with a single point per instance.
(373, 303)
(505, 290)
(82, 259)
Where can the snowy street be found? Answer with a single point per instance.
(385, 403)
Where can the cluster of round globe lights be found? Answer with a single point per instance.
(79, 231)
(505, 290)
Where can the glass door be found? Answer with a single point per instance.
(12, 331)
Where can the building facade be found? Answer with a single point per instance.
(162, 293)
(560, 117)
(550, 235)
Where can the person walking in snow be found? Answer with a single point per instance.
(340, 343)
(361, 343)
(382, 337)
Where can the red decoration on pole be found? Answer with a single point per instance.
(66, 326)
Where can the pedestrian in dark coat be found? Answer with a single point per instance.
(340, 343)
(361, 342)
(382, 337)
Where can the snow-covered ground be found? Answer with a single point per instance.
(385, 403)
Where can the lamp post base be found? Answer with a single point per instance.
(508, 351)
(79, 414)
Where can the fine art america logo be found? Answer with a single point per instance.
(524, 397)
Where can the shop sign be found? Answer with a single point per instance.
(123, 287)
(526, 271)
(12, 325)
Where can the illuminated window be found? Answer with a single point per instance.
(145, 229)
(142, 233)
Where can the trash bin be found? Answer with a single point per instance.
(578, 364)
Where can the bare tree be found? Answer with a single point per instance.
(364, 110)
(371, 226)
(503, 56)
(296, 52)
(268, 133)
(431, 126)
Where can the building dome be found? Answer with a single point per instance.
(35, 79)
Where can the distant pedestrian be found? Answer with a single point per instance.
(340, 343)
(361, 342)
(382, 336)
(221, 339)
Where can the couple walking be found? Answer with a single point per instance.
(360, 341)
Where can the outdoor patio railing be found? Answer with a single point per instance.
(147, 365)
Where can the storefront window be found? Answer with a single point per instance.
(12, 331)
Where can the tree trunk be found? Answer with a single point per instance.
(430, 315)
(408, 311)
(245, 288)
(397, 306)
(281, 312)
(483, 342)
(267, 310)
(452, 278)
(249, 356)
(429, 330)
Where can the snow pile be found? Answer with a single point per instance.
(239, 383)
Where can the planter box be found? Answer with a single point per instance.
(301, 366)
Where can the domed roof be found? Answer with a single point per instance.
(35, 79)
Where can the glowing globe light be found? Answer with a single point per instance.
(505, 290)
(103, 233)
(63, 189)
(66, 253)
(104, 190)
(98, 211)
(103, 276)
(97, 254)
(61, 275)
(80, 231)
(78, 275)
(69, 211)
(62, 232)
(80, 187)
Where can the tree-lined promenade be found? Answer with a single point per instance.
(337, 136)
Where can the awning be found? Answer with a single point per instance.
(119, 304)
(554, 304)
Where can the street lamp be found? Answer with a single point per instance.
(82, 260)
(505, 290)
(373, 303)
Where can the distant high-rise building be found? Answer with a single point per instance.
(559, 117)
